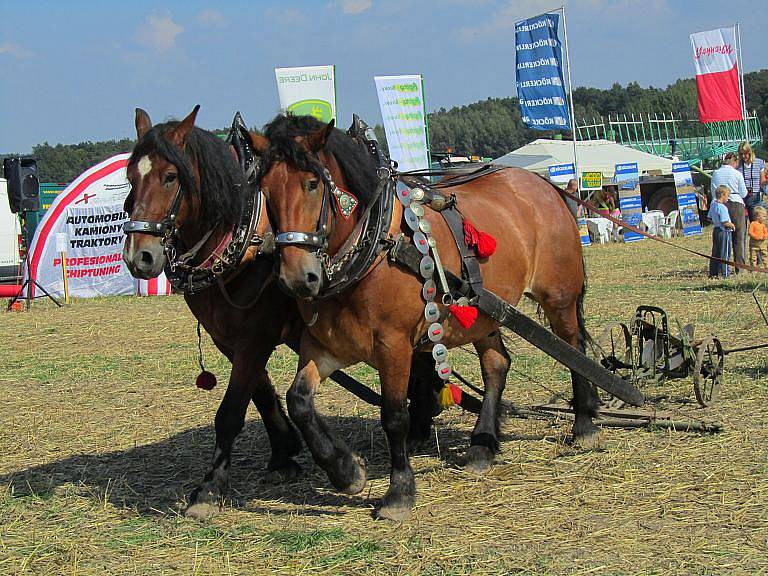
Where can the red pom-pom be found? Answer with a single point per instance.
(456, 393)
(466, 315)
(486, 245)
(470, 234)
(205, 380)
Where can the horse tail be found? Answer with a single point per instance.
(584, 337)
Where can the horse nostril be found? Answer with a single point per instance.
(146, 257)
(312, 279)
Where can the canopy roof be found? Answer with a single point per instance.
(594, 155)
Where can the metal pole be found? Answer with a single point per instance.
(570, 98)
(740, 64)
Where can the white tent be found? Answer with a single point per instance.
(594, 156)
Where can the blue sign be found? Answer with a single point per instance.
(630, 202)
(687, 202)
(539, 75)
(562, 173)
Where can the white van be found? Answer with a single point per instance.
(10, 230)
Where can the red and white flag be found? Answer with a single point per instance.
(717, 75)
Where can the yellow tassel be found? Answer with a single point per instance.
(446, 397)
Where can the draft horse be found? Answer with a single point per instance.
(380, 319)
(188, 197)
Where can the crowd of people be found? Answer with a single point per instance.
(738, 212)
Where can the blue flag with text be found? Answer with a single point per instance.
(539, 76)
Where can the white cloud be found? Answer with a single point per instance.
(352, 6)
(210, 18)
(14, 50)
(158, 33)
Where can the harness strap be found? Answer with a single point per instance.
(469, 262)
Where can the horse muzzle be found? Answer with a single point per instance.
(145, 261)
(303, 280)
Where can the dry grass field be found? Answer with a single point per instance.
(103, 433)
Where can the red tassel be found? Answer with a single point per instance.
(466, 315)
(486, 245)
(470, 234)
(205, 380)
(456, 393)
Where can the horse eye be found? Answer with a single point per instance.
(313, 184)
(170, 178)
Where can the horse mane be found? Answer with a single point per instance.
(221, 192)
(356, 164)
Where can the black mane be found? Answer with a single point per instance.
(221, 189)
(353, 158)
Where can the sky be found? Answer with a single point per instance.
(75, 70)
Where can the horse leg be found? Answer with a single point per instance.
(568, 324)
(423, 395)
(394, 363)
(345, 469)
(207, 498)
(283, 436)
(494, 365)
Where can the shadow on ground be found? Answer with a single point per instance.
(155, 478)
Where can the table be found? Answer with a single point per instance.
(651, 221)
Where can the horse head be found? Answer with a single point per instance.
(309, 169)
(184, 185)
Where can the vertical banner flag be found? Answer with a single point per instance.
(630, 203)
(562, 174)
(401, 99)
(686, 199)
(540, 74)
(717, 75)
(308, 91)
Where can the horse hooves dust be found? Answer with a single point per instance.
(202, 510)
(358, 483)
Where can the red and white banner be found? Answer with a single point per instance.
(154, 286)
(717, 75)
(88, 219)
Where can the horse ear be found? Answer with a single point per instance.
(143, 123)
(316, 141)
(180, 133)
(259, 142)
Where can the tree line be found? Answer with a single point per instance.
(489, 128)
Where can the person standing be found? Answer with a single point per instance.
(753, 171)
(576, 209)
(758, 238)
(727, 175)
(721, 232)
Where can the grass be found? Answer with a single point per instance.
(104, 434)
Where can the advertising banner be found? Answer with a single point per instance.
(401, 99)
(717, 75)
(591, 181)
(630, 202)
(562, 174)
(539, 73)
(686, 199)
(308, 91)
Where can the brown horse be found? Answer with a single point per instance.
(187, 188)
(178, 159)
(380, 319)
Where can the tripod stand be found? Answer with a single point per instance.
(30, 282)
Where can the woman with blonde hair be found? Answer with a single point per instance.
(755, 177)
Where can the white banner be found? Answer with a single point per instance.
(401, 99)
(308, 91)
(714, 50)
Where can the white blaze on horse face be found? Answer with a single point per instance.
(144, 166)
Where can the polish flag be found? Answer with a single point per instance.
(154, 286)
(717, 75)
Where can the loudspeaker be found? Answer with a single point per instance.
(23, 184)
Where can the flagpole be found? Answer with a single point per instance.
(570, 98)
(740, 61)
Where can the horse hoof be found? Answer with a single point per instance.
(285, 473)
(202, 510)
(392, 512)
(358, 481)
(479, 460)
(588, 441)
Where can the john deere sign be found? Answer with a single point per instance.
(308, 91)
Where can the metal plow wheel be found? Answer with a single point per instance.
(613, 349)
(708, 371)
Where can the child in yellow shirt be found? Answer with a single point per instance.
(758, 238)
